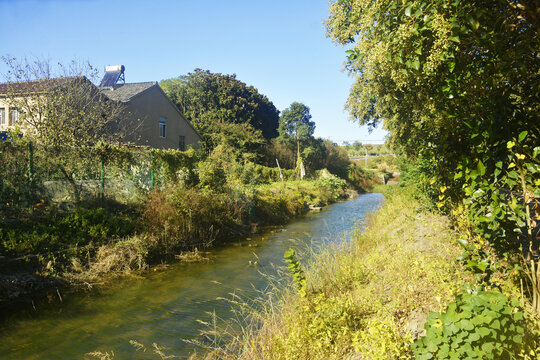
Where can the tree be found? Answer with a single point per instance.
(61, 111)
(452, 80)
(210, 99)
(61, 107)
(295, 125)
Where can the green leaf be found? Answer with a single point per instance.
(518, 316)
(481, 168)
(463, 243)
(466, 324)
(483, 331)
(510, 144)
(289, 254)
(408, 10)
(513, 175)
(416, 64)
(522, 136)
(487, 347)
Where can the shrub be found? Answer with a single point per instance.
(62, 231)
(360, 178)
(187, 218)
(334, 185)
(485, 325)
(212, 175)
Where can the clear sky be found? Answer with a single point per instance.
(277, 46)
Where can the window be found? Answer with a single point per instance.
(14, 114)
(2, 116)
(162, 127)
(182, 143)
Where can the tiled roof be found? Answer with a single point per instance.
(37, 86)
(122, 92)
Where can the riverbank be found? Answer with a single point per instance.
(369, 299)
(372, 298)
(173, 222)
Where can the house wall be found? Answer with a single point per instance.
(148, 107)
(7, 110)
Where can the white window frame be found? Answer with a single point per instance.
(163, 128)
(14, 115)
(3, 120)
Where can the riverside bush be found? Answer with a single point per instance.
(485, 325)
(186, 218)
(61, 231)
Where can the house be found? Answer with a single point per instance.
(154, 121)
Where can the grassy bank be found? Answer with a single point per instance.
(370, 299)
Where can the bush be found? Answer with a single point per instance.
(360, 178)
(212, 175)
(485, 325)
(62, 231)
(188, 218)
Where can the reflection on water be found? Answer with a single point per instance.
(164, 306)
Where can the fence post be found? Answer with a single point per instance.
(31, 176)
(152, 175)
(102, 189)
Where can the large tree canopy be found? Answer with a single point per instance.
(209, 99)
(440, 72)
(457, 84)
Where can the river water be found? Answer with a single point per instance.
(165, 307)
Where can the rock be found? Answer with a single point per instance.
(415, 323)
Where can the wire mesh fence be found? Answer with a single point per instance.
(34, 177)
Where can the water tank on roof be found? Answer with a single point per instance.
(114, 74)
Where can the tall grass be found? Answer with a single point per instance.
(364, 300)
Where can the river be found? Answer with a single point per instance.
(164, 307)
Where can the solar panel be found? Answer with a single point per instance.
(112, 75)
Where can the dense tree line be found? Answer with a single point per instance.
(240, 124)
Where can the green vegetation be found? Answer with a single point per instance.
(212, 100)
(457, 87)
(357, 149)
(295, 126)
(180, 201)
(58, 232)
(485, 325)
(371, 299)
(366, 299)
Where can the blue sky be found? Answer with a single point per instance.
(277, 46)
